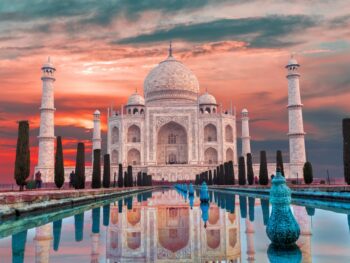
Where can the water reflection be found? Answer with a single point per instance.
(167, 226)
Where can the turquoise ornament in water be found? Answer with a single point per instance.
(204, 193)
(282, 228)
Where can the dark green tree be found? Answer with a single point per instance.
(241, 171)
(210, 181)
(263, 173)
(346, 149)
(96, 169)
(57, 226)
(79, 226)
(139, 179)
(215, 177)
(120, 176)
(126, 181)
(279, 161)
(197, 179)
(221, 175)
(80, 167)
(130, 177)
(59, 165)
(106, 171)
(232, 173)
(22, 163)
(250, 171)
(308, 174)
(226, 174)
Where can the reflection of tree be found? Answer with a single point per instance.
(291, 254)
(230, 203)
(106, 212)
(128, 202)
(79, 227)
(96, 220)
(205, 212)
(251, 204)
(265, 206)
(349, 221)
(18, 246)
(243, 206)
(57, 226)
(310, 210)
(120, 205)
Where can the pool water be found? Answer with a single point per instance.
(165, 226)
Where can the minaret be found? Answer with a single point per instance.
(295, 116)
(46, 136)
(96, 137)
(245, 134)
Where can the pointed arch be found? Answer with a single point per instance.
(228, 133)
(134, 157)
(210, 133)
(211, 156)
(134, 133)
(115, 135)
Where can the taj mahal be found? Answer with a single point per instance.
(172, 131)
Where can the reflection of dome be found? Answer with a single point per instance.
(171, 80)
(207, 99)
(136, 100)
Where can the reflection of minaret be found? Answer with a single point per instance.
(249, 230)
(42, 240)
(245, 134)
(304, 241)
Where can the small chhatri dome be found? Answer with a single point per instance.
(207, 99)
(97, 112)
(48, 64)
(171, 80)
(292, 61)
(244, 110)
(136, 100)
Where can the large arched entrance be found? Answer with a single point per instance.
(172, 144)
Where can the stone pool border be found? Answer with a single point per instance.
(332, 194)
(23, 203)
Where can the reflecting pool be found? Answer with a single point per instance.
(167, 225)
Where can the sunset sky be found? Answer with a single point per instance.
(103, 50)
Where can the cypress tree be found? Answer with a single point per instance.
(226, 174)
(263, 173)
(250, 172)
(206, 177)
(241, 171)
(96, 169)
(126, 181)
(120, 176)
(215, 179)
(22, 163)
(308, 174)
(59, 166)
(144, 179)
(106, 171)
(218, 175)
(130, 177)
(80, 166)
(210, 182)
(232, 173)
(139, 181)
(221, 174)
(197, 179)
(279, 161)
(346, 149)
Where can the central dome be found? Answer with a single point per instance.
(171, 80)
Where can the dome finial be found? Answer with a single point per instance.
(170, 49)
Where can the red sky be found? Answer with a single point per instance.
(237, 49)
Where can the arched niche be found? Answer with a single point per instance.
(134, 216)
(214, 215)
(134, 157)
(172, 144)
(211, 156)
(115, 157)
(232, 237)
(133, 240)
(134, 133)
(229, 155)
(210, 133)
(115, 135)
(228, 133)
(213, 238)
